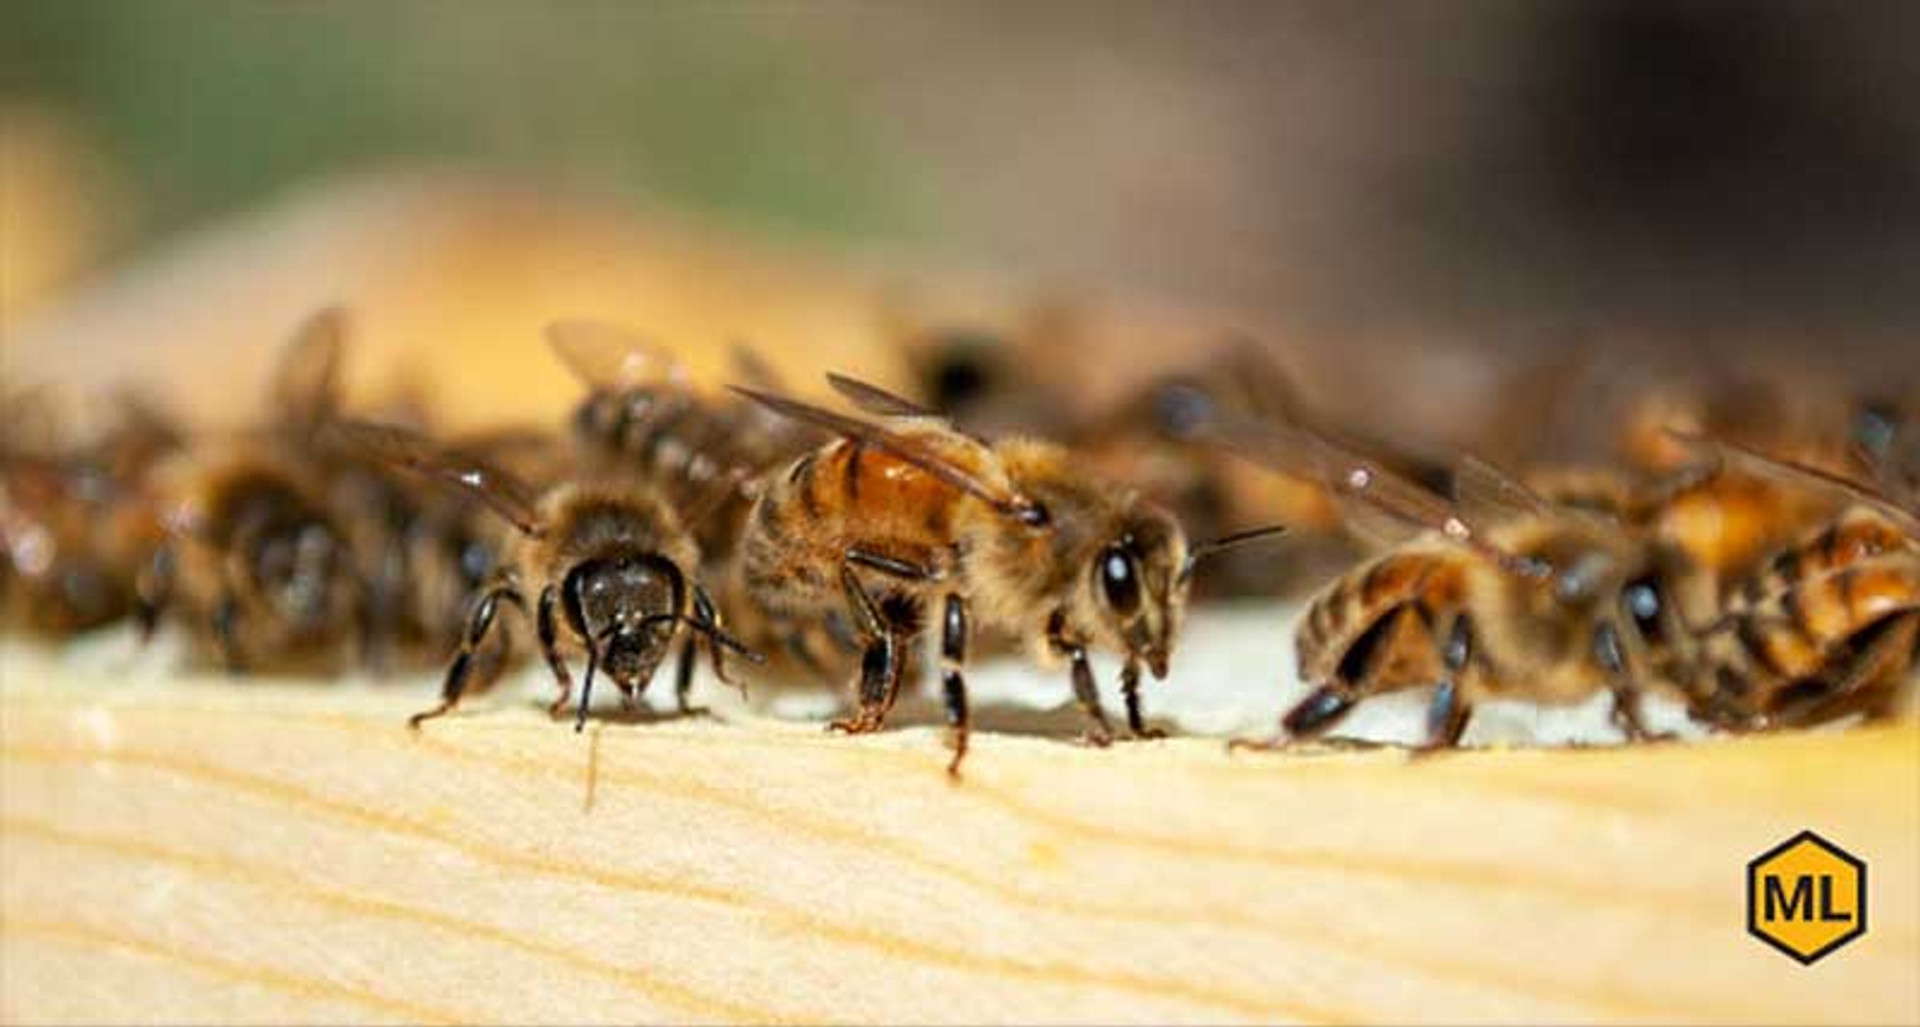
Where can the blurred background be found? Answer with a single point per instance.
(1484, 177)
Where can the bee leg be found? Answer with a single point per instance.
(704, 609)
(1447, 714)
(953, 656)
(153, 591)
(1130, 688)
(879, 660)
(1307, 720)
(478, 629)
(683, 678)
(545, 627)
(224, 623)
(1099, 733)
(1611, 656)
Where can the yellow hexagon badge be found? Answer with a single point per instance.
(1806, 897)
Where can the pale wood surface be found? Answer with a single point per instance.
(208, 850)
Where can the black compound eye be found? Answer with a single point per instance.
(1120, 580)
(1644, 605)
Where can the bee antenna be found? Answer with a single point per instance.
(586, 686)
(711, 630)
(1224, 542)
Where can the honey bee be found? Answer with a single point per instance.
(76, 520)
(1829, 625)
(255, 556)
(643, 417)
(905, 518)
(1496, 593)
(609, 560)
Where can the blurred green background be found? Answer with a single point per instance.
(1493, 166)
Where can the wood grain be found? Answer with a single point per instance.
(211, 851)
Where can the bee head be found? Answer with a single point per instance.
(625, 607)
(1139, 589)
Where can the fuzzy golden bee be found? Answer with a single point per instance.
(1497, 593)
(1830, 625)
(609, 561)
(905, 519)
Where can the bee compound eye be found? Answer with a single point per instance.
(1120, 580)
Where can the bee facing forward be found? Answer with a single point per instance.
(610, 563)
(1497, 594)
(906, 519)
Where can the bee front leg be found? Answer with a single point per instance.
(461, 669)
(1085, 692)
(546, 627)
(1130, 688)
(704, 609)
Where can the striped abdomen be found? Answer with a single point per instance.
(1386, 616)
(1812, 631)
(841, 497)
(1857, 535)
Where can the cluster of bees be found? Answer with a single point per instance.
(1764, 569)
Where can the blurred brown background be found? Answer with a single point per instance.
(1349, 177)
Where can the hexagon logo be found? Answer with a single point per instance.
(1806, 897)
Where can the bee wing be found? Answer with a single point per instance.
(306, 382)
(1382, 506)
(607, 356)
(1485, 494)
(504, 493)
(752, 366)
(893, 443)
(1790, 472)
(876, 400)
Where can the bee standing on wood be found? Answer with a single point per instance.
(610, 563)
(907, 520)
(1498, 594)
(255, 557)
(76, 518)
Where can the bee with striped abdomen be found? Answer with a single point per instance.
(1498, 593)
(905, 520)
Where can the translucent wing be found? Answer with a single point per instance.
(900, 447)
(751, 366)
(1382, 506)
(876, 400)
(1790, 472)
(306, 382)
(1485, 494)
(607, 356)
(505, 494)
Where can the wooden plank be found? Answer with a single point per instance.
(213, 851)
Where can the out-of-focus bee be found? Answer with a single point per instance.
(906, 519)
(255, 557)
(610, 562)
(995, 378)
(644, 418)
(1497, 593)
(1831, 624)
(76, 520)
